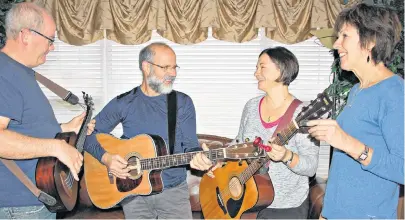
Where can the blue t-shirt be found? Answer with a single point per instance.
(22, 100)
(141, 114)
(375, 117)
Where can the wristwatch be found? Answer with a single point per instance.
(363, 156)
(289, 160)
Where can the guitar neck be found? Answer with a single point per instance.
(162, 162)
(281, 139)
(83, 130)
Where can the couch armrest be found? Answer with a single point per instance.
(317, 187)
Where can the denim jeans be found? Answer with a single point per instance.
(172, 203)
(27, 212)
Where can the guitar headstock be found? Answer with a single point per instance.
(243, 151)
(318, 107)
(88, 100)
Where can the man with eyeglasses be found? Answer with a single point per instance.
(27, 121)
(144, 110)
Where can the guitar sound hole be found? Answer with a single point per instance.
(134, 165)
(235, 187)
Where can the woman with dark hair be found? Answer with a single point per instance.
(290, 165)
(368, 136)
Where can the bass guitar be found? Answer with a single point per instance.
(54, 177)
(146, 156)
(233, 193)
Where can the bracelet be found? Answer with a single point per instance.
(288, 162)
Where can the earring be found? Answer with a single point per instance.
(368, 58)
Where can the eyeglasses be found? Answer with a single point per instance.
(50, 41)
(166, 68)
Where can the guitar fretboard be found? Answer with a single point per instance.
(178, 159)
(280, 139)
(83, 130)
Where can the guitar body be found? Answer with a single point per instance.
(55, 179)
(217, 201)
(105, 191)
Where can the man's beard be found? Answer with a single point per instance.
(158, 85)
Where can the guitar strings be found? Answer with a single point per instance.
(290, 128)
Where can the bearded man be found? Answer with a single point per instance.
(143, 110)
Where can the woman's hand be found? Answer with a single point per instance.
(278, 153)
(329, 131)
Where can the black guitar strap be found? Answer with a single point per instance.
(171, 119)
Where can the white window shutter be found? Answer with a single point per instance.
(77, 69)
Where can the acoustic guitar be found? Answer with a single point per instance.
(146, 156)
(54, 177)
(233, 193)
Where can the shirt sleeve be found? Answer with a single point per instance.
(308, 153)
(307, 150)
(11, 101)
(106, 120)
(187, 126)
(388, 162)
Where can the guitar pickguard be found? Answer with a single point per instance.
(220, 201)
(233, 206)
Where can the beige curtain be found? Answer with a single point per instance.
(81, 22)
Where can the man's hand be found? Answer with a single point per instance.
(69, 156)
(76, 123)
(201, 162)
(116, 165)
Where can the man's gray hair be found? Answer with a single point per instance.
(23, 15)
(147, 52)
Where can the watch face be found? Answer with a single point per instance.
(363, 156)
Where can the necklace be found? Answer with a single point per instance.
(349, 104)
(282, 104)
